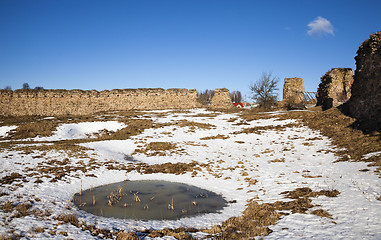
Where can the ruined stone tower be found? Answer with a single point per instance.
(365, 102)
(293, 90)
(335, 87)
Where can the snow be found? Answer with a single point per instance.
(81, 130)
(278, 159)
(4, 130)
(369, 155)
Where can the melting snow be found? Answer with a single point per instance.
(4, 130)
(278, 159)
(81, 130)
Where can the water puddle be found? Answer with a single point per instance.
(148, 200)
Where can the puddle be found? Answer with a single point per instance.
(148, 200)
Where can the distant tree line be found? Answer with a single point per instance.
(236, 96)
(25, 86)
(205, 97)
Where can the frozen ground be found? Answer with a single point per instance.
(281, 155)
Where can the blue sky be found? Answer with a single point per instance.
(202, 44)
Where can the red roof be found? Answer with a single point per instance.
(238, 105)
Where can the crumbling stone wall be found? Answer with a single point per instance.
(221, 99)
(293, 90)
(365, 102)
(79, 102)
(335, 87)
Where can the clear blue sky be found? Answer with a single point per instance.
(202, 44)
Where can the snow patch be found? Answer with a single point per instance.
(81, 130)
(4, 130)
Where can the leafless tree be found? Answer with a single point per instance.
(263, 90)
(236, 96)
(205, 97)
(8, 88)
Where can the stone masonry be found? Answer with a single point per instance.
(79, 102)
(365, 102)
(335, 87)
(221, 99)
(293, 90)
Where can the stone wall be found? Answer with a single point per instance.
(221, 99)
(293, 90)
(335, 87)
(79, 102)
(365, 102)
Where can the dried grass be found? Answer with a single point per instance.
(321, 213)
(262, 129)
(307, 192)
(9, 179)
(219, 136)
(7, 207)
(127, 236)
(42, 128)
(159, 149)
(340, 128)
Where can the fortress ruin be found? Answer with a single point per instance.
(80, 102)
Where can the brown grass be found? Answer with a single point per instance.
(23, 209)
(69, 218)
(38, 229)
(338, 127)
(219, 136)
(307, 192)
(172, 168)
(321, 213)
(194, 125)
(7, 207)
(158, 149)
(9, 179)
(127, 236)
(257, 218)
(32, 129)
(263, 129)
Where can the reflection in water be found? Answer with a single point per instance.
(148, 200)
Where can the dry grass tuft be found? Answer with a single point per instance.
(127, 236)
(194, 125)
(9, 179)
(321, 213)
(39, 230)
(134, 127)
(172, 168)
(307, 192)
(42, 128)
(69, 218)
(262, 129)
(7, 207)
(219, 136)
(158, 149)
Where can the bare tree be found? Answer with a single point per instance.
(263, 90)
(8, 88)
(38, 88)
(236, 96)
(205, 97)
